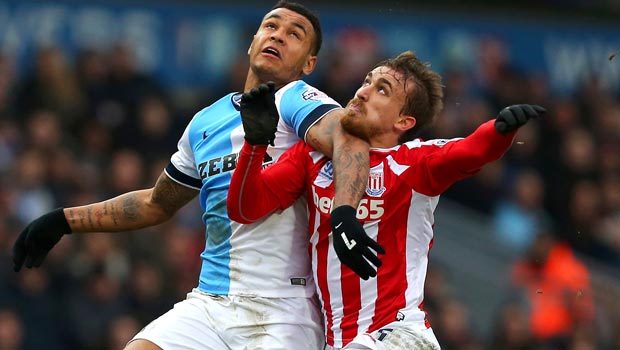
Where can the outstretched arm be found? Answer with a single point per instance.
(133, 210)
(444, 162)
(126, 212)
(349, 156)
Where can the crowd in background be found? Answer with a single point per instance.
(76, 130)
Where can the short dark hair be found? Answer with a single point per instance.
(310, 16)
(425, 100)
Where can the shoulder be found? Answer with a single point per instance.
(407, 151)
(227, 105)
(419, 145)
(226, 102)
(300, 91)
(211, 116)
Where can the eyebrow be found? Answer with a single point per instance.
(296, 24)
(386, 82)
(381, 81)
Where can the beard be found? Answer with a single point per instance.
(353, 122)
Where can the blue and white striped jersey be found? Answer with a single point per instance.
(268, 258)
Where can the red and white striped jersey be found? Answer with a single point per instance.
(397, 211)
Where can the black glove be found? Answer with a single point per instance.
(259, 114)
(38, 238)
(352, 243)
(513, 117)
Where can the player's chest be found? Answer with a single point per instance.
(216, 145)
(382, 186)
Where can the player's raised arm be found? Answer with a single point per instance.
(448, 161)
(129, 211)
(248, 197)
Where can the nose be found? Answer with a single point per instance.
(277, 36)
(362, 93)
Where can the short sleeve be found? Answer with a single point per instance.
(182, 166)
(302, 105)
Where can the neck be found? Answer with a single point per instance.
(253, 80)
(384, 141)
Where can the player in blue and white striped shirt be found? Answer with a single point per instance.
(255, 289)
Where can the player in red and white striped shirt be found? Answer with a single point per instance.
(398, 98)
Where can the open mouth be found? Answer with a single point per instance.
(272, 51)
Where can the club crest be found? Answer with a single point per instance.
(375, 186)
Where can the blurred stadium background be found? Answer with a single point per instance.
(95, 94)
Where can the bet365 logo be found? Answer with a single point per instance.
(368, 209)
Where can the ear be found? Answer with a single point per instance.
(309, 65)
(405, 122)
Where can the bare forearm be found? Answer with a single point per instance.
(321, 135)
(349, 157)
(133, 210)
(351, 168)
(126, 212)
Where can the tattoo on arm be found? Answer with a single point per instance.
(99, 215)
(349, 156)
(76, 219)
(357, 185)
(321, 135)
(89, 213)
(133, 210)
(81, 216)
(131, 207)
(71, 217)
(113, 214)
(171, 196)
(351, 174)
(314, 142)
